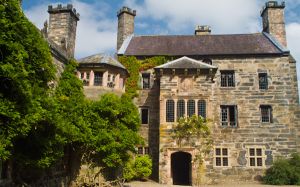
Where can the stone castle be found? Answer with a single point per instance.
(246, 84)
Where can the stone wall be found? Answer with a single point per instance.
(276, 139)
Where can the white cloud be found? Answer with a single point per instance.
(230, 16)
(293, 39)
(95, 32)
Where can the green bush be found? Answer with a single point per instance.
(284, 172)
(139, 169)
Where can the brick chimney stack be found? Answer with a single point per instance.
(125, 24)
(273, 20)
(62, 27)
(202, 30)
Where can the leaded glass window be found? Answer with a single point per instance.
(263, 81)
(202, 108)
(227, 79)
(180, 109)
(191, 107)
(266, 113)
(170, 111)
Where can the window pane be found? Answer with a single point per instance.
(82, 75)
(170, 111)
(191, 107)
(252, 161)
(265, 113)
(144, 113)
(180, 108)
(232, 115)
(252, 152)
(224, 115)
(227, 79)
(218, 161)
(140, 150)
(87, 75)
(218, 151)
(146, 149)
(263, 81)
(98, 79)
(224, 151)
(202, 108)
(258, 152)
(146, 80)
(259, 161)
(225, 161)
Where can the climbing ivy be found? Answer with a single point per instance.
(134, 66)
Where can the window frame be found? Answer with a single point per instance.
(201, 104)
(270, 113)
(228, 114)
(221, 156)
(170, 117)
(256, 157)
(144, 76)
(191, 107)
(100, 78)
(227, 83)
(180, 107)
(141, 115)
(263, 85)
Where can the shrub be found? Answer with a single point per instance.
(284, 172)
(140, 168)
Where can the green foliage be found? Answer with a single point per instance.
(134, 66)
(284, 171)
(140, 168)
(25, 69)
(114, 124)
(194, 128)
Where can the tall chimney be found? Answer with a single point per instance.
(273, 20)
(125, 24)
(202, 30)
(62, 27)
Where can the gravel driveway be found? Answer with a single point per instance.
(153, 184)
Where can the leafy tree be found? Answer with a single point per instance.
(25, 69)
(114, 126)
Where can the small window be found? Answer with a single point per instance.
(98, 79)
(81, 75)
(202, 108)
(263, 81)
(221, 157)
(180, 109)
(146, 150)
(227, 79)
(266, 113)
(255, 157)
(146, 80)
(145, 115)
(140, 150)
(191, 107)
(229, 116)
(207, 61)
(170, 111)
(87, 76)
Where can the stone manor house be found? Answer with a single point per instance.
(246, 84)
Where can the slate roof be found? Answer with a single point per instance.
(185, 63)
(100, 59)
(189, 45)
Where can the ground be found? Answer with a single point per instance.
(153, 184)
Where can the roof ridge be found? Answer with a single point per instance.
(176, 35)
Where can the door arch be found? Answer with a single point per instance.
(181, 168)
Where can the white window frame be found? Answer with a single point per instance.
(221, 156)
(263, 156)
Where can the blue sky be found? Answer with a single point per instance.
(97, 28)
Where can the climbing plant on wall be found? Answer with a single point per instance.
(135, 66)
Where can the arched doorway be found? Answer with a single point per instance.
(181, 167)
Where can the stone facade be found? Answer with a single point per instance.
(273, 21)
(125, 24)
(278, 138)
(62, 27)
(263, 84)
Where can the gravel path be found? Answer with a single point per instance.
(153, 184)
